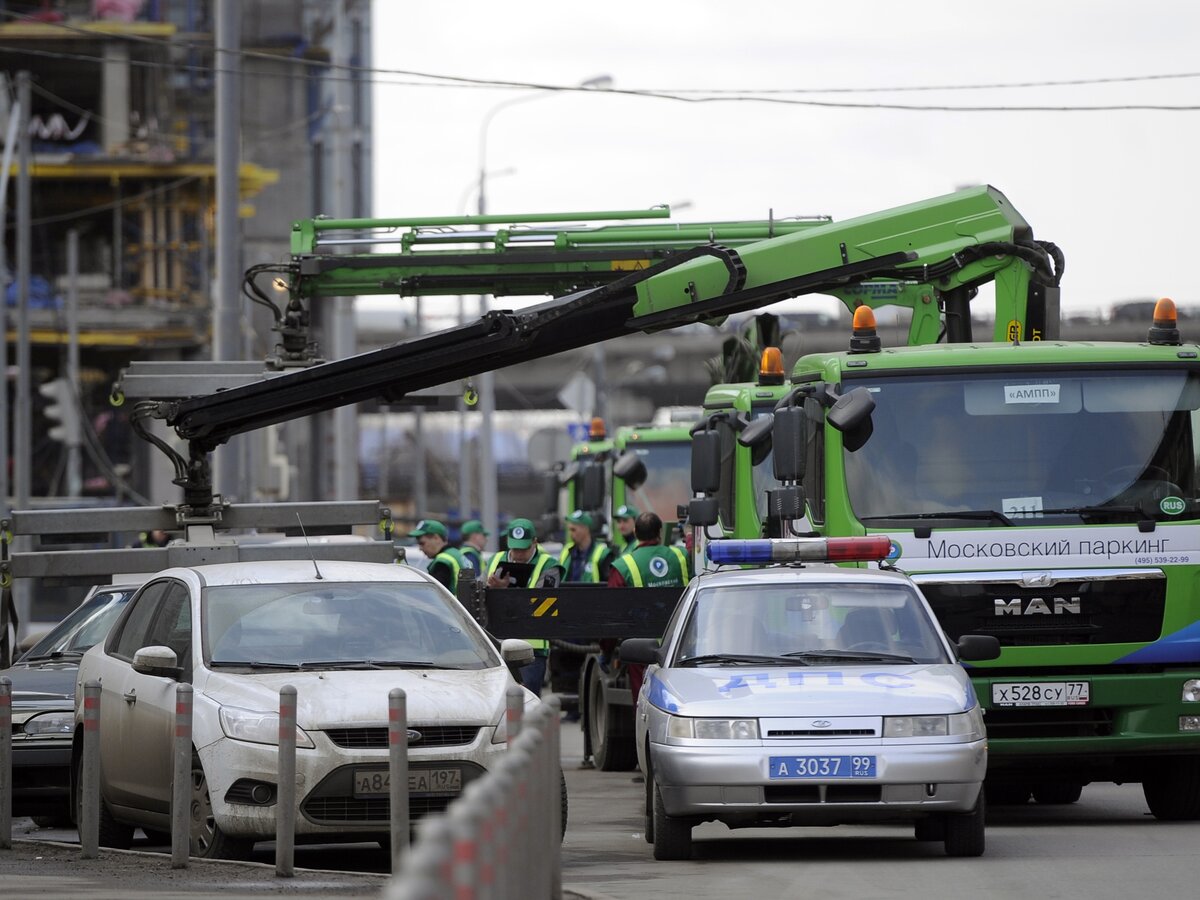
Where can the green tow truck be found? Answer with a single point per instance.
(1043, 491)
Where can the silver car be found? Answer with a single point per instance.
(343, 634)
(809, 696)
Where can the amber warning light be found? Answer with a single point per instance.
(596, 431)
(770, 367)
(864, 339)
(1165, 327)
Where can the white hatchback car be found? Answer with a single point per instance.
(344, 634)
(818, 695)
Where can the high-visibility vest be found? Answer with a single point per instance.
(654, 566)
(453, 558)
(595, 557)
(474, 557)
(540, 561)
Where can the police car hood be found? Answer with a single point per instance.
(779, 691)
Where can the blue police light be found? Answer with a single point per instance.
(781, 550)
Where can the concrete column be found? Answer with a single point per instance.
(114, 103)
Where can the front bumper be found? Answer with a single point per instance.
(324, 784)
(728, 783)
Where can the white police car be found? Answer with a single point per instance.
(809, 695)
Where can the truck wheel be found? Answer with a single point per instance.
(965, 831)
(611, 728)
(672, 835)
(1172, 789)
(1057, 792)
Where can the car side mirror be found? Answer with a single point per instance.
(641, 650)
(516, 652)
(158, 660)
(977, 647)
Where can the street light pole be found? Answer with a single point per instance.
(488, 495)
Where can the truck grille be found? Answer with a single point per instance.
(1049, 722)
(1069, 607)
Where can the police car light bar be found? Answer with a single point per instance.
(781, 550)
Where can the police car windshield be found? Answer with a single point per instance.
(874, 623)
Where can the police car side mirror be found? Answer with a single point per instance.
(977, 647)
(645, 651)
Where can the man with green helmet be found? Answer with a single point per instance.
(584, 558)
(543, 571)
(624, 517)
(446, 561)
(474, 542)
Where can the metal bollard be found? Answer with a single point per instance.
(89, 781)
(285, 800)
(5, 763)
(398, 774)
(554, 751)
(466, 820)
(181, 784)
(514, 699)
(502, 862)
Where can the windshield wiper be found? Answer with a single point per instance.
(732, 658)
(254, 664)
(848, 654)
(984, 514)
(1081, 511)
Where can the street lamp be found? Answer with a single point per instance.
(488, 499)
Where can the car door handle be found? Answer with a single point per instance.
(130, 696)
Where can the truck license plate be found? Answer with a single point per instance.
(368, 782)
(822, 766)
(1041, 693)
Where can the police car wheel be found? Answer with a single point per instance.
(648, 830)
(672, 835)
(965, 831)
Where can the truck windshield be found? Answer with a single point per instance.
(668, 476)
(1109, 446)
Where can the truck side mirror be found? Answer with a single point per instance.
(550, 489)
(706, 462)
(630, 469)
(851, 415)
(789, 436)
(702, 512)
(589, 489)
(757, 432)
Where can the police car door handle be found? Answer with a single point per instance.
(130, 696)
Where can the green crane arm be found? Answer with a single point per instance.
(937, 251)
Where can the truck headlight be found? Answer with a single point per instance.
(48, 724)
(257, 727)
(713, 729)
(968, 724)
(1191, 690)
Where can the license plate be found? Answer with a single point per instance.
(822, 766)
(1041, 693)
(420, 781)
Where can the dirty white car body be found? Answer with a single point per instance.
(343, 634)
(761, 708)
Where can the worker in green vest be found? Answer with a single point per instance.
(545, 572)
(445, 561)
(649, 563)
(474, 542)
(624, 517)
(584, 558)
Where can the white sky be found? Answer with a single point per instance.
(1115, 190)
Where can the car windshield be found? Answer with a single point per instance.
(337, 624)
(1111, 446)
(87, 625)
(872, 622)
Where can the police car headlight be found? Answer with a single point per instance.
(1191, 690)
(49, 724)
(713, 729)
(968, 724)
(257, 727)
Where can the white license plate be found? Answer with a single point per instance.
(420, 781)
(1041, 693)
